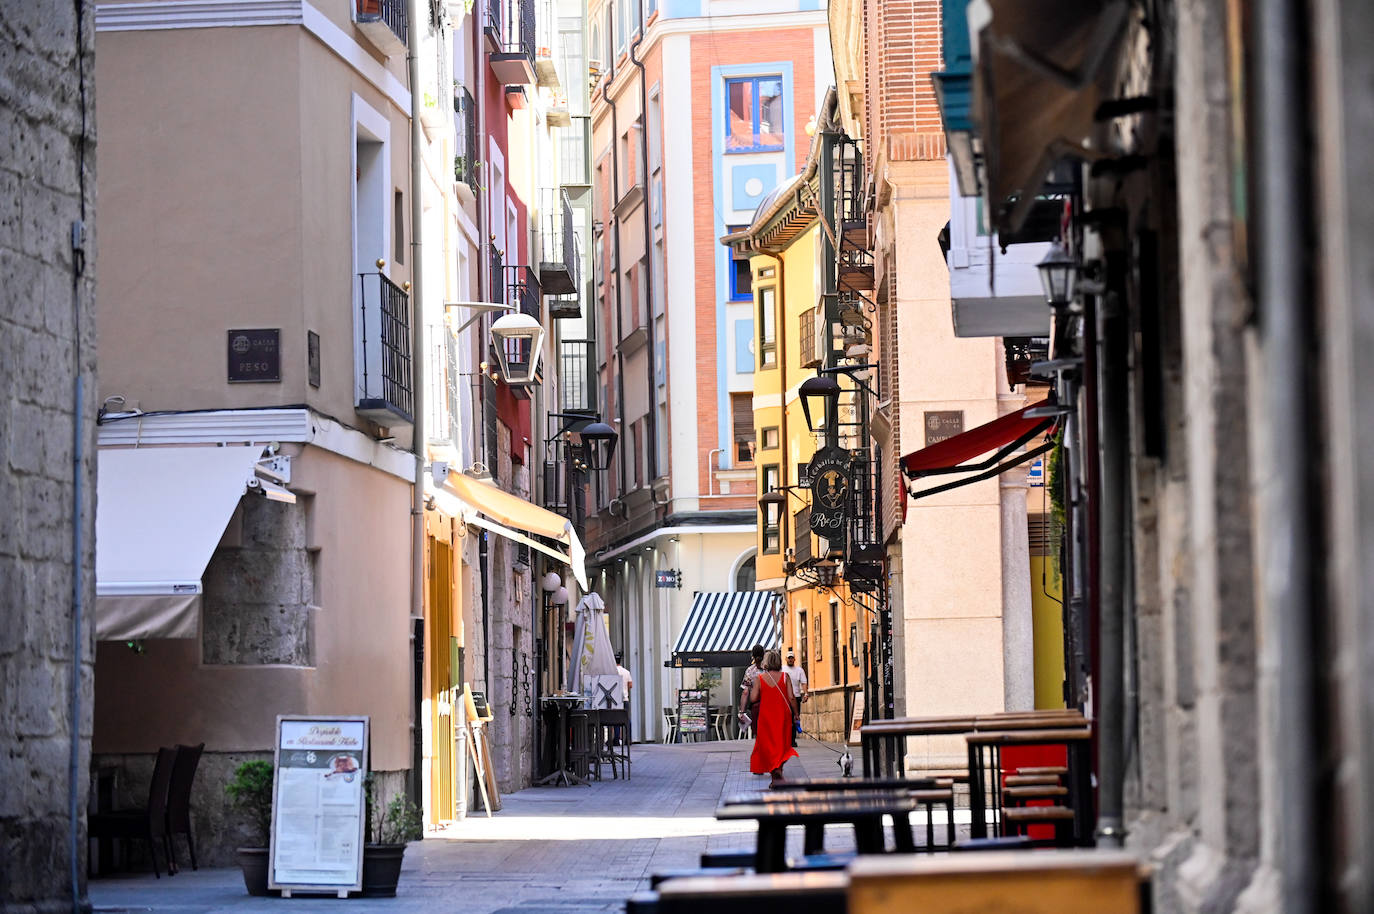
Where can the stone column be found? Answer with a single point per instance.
(1018, 628)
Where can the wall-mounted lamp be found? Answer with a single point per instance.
(820, 395)
(551, 582)
(1058, 270)
(518, 340)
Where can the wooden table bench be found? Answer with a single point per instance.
(928, 792)
(882, 741)
(864, 812)
(795, 893)
(985, 774)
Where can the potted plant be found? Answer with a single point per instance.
(389, 834)
(250, 792)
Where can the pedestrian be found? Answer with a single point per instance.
(771, 692)
(627, 682)
(746, 711)
(799, 687)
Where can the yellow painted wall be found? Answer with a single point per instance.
(1048, 612)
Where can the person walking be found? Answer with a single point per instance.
(777, 707)
(799, 688)
(747, 712)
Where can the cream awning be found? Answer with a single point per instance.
(508, 515)
(161, 511)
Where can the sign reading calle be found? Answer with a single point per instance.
(829, 473)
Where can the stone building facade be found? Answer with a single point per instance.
(47, 389)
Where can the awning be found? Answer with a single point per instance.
(160, 513)
(1040, 71)
(508, 515)
(722, 627)
(1003, 435)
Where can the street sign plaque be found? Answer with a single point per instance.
(254, 356)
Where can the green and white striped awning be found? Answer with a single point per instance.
(722, 627)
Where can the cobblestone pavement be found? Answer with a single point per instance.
(548, 851)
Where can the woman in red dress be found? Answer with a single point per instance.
(771, 692)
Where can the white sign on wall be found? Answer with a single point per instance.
(318, 816)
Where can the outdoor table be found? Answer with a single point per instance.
(1078, 741)
(562, 775)
(880, 735)
(865, 813)
(795, 893)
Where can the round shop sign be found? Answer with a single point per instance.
(829, 492)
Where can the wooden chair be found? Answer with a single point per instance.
(179, 802)
(616, 721)
(149, 823)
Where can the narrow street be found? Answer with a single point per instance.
(548, 851)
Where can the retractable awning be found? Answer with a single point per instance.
(513, 517)
(161, 511)
(1003, 435)
(722, 627)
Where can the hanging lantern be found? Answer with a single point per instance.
(518, 340)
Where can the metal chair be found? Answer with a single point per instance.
(669, 725)
(148, 824)
(179, 801)
(616, 721)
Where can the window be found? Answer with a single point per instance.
(816, 653)
(742, 409)
(637, 431)
(769, 477)
(745, 576)
(806, 326)
(741, 279)
(399, 220)
(753, 115)
(801, 639)
(771, 524)
(834, 642)
(770, 439)
(768, 343)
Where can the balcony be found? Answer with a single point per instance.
(577, 375)
(383, 390)
(509, 28)
(545, 70)
(523, 292)
(465, 144)
(574, 142)
(565, 307)
(384, 24)
(558, 259)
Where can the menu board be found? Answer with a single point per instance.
(693, 710)
(317, 810)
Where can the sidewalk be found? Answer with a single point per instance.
(570, 850)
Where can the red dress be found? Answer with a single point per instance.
(773, 729)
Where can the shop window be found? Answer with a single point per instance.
(754, 114)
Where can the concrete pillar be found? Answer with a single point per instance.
(1018, 628)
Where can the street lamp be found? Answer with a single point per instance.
(518, 340)
(598, 444)
(770, 503)
(1058, 271)
(820, 395)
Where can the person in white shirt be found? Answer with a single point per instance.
(799, 688)
(627, 681)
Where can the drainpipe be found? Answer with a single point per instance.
(479, 70)
(1114, 537)
(615, 242)
(1286, 523)
(651, 432)
(417, 363)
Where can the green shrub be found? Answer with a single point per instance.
(251, 793)
(401, 824)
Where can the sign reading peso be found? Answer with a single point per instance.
(829, 473)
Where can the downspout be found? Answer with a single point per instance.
(615, 247)
(1286, 525)
(651, 433)
(1114, 537)
(417, 366)
(479, 70)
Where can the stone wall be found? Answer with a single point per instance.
(260, 590)
(825, 714)
(47, 340)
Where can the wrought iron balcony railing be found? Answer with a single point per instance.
(465, 128)
(510, 31)
(523, 292)
(558, 261)
(577, 375)
(384, 378)
(384, 23)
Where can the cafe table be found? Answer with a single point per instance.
(562, 775)
(985, 773)
(881, 740)
(864, 812)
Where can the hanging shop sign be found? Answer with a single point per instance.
(669, 577)
(318, 816)
(829, 474)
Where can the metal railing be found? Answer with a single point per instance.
(522, 291)
(386, 363)
(465, 128)
(574, 141)
(558, 261)
(392, 12)
(577, 375)
(511, 26)
(496, 275)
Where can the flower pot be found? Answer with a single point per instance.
(253, 862)
(382, 869)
